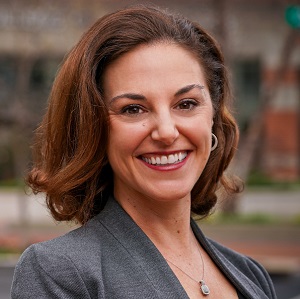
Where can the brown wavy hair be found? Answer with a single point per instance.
(70, 162)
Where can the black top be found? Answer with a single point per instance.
(240, 295)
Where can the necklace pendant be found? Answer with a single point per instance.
(204, 288)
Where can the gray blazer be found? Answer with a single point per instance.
(111, 257)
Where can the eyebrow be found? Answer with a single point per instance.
(135, 96)
(188, 88)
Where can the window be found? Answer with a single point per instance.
(246, 77)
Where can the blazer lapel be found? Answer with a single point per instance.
(156, 270)
(143, 252)
(238, 278)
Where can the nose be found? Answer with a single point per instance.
(165, 129)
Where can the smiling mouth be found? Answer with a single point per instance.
(165, 159)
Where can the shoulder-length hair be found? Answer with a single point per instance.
(70, 161)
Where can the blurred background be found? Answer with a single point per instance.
(261, 43)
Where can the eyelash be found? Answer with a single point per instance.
(134, 109)
(126, 109)
(191, 102)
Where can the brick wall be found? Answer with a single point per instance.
(281, 144)
(281, 135)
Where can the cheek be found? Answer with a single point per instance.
(124, 137)
(198, 131)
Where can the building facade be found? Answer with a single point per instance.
(262, 50)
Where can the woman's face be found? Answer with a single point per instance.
(160, 116)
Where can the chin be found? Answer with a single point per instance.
(168, 195)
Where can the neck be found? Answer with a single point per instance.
(164, 222)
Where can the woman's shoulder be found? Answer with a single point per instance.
(88, 240)
(241, 264)
(234, 257)
(246, 273)
(227, 255)
(59, 262)
(76, 241)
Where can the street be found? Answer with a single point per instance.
(287, 286)
(6, 274)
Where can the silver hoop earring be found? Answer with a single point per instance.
(215, 143)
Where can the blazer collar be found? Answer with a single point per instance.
(142, 251)
(156, 269)
(246, 286)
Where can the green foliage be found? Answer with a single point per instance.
(10, 250)
(12, 183)
(296, 219)
(257, 180)
(221, 218)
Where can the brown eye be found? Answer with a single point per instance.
(187, 104)
(132, 110)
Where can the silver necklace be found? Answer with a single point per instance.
(204, 288)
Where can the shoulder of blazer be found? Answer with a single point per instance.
(247, 275)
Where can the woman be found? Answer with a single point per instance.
(136, 137)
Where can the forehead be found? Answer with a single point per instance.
(159, 65)
(156, 50)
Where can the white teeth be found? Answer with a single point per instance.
(180, 156)
(171, 159)
(163, 160)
